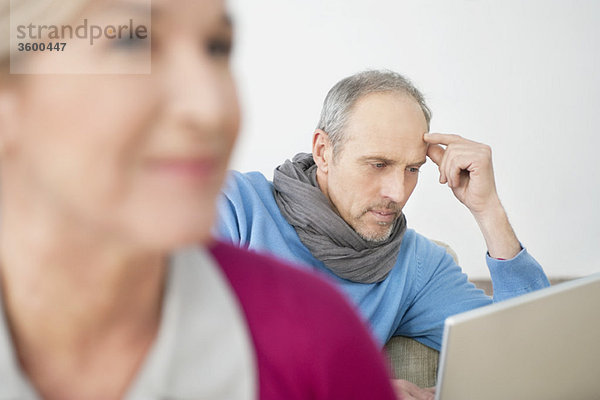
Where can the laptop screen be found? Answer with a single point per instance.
(542, 345)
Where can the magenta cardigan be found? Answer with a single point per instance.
(309, 342)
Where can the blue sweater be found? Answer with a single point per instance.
(422, 290)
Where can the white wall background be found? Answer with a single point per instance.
(520, 75)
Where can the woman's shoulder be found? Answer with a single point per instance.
(302, 328)
(258, 277)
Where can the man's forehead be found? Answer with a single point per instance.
(404, 151)
(387, 114)
(398, 100)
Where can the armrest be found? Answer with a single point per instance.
(412, 361)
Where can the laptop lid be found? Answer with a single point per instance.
(542, 345)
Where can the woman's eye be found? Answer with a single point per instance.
(220, 48)
(130, 44)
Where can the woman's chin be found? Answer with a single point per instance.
(166, 234)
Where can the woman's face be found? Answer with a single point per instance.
(137, 158)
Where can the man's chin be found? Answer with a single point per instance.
(377, 237)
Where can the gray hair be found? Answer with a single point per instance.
(344, 94)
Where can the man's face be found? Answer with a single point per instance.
(370, 180)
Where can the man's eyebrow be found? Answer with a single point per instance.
(389, 161)
(375, 157)
(418, 163)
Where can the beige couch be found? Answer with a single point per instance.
(412, 361)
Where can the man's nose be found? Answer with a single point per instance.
(393, 186)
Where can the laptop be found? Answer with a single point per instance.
(542, 345)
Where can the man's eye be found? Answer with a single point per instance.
(379, 165)
(413, 170)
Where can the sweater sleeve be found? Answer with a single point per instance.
(229, 212)
(443, 290)
(519, 275)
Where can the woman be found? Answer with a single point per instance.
(107, 182)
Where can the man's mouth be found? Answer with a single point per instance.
(384, 216)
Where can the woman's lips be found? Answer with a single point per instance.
(195, 168)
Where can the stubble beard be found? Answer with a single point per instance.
(376, 237)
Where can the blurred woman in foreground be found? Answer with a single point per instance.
(107, 182)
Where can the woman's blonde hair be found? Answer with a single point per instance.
(40, 11)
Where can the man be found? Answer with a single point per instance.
(339, 210)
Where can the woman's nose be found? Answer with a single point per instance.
(199, 90)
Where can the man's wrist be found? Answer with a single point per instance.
(501, 241)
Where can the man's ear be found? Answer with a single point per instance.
(322, 150)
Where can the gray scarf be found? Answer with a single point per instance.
(328, 237)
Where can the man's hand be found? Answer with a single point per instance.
(466, 167)
(409, 391)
